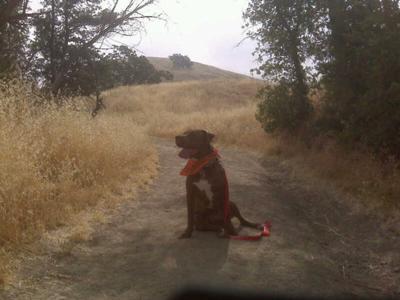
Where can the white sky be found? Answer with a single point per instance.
(208, 31)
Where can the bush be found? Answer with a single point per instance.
(281, 108)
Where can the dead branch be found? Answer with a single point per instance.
(130, 14)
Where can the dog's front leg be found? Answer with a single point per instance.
(190, 209)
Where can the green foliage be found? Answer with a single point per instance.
(362, 74)
(90, 71)
(180, 61)
(281, 109)
(66, 58)
(281, 29)
(62, 54)
(13, 33)
(350, 49)
(126, 68)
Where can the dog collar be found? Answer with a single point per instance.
(194, 166)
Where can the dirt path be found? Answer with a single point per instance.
(316, 248)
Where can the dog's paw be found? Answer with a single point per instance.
(186, 235)
(223, 234)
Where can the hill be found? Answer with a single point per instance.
(197, 72)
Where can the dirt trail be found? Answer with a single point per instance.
(316, 248)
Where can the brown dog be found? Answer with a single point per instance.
(206, 187)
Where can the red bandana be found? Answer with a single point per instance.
(194, 166)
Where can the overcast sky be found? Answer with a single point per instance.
(208, 31)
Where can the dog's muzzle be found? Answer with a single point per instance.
(187, 153)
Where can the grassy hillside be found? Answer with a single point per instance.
(197, 72)
(224, 107)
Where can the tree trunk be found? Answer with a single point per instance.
(53, 66)
(336, 10)
(300, 88)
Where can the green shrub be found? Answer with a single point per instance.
(281, 108)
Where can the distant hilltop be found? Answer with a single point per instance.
(197, 72)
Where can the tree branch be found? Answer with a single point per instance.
(127, 14)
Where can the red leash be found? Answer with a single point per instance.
(265, 232)
(194, 166)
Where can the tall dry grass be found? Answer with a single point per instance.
(227, 108)
(223, 107)
(373, 185)
(55, 162)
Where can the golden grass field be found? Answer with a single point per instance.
(223, 107)
(57, 162)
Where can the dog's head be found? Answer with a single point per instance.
(194, 143)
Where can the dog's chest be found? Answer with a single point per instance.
(207, 183)
(204, 186)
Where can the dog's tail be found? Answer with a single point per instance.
(236, 213)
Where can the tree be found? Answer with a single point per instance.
(281, 29)
(361, 74)
(180, 61)
(125, 67)
(13, 33)
(69, 33)
(352, 47)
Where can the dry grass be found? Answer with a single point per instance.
(197, 72)
(223, 107)
(227, 108)
(57, 162)
(374, 185)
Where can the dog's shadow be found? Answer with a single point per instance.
(198, 258)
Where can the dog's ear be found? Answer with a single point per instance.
(210, 136)
(207, 136)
